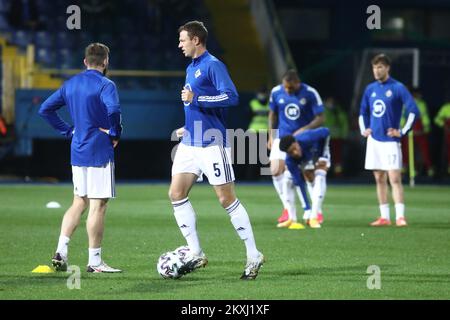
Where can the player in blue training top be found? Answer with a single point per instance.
(306, 149)
(94, 107)
(294, 107)
(207, 93)
(379, 121)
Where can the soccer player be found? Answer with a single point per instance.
(379, 121)
(94, 107)
(207, 93)
(311, 148)
(294, 108)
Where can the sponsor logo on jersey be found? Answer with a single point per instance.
(379, 108)
(197, 73)
(292, 111)
(302, 101)
(388, 93)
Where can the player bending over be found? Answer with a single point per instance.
(308, 158)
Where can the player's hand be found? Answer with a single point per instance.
(187, 95)
(393, 133)
(367, 133)
(180, 132)
(114, 141)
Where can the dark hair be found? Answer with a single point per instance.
(381, 58)
(96, 53)
(286, 142)
(195, 29)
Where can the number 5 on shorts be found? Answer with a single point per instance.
(216, 169)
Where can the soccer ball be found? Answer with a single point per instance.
(168, 265)
(182, 252)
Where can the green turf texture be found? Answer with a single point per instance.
(329, 263)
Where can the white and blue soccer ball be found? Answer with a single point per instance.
(168, 265)
(182, 253)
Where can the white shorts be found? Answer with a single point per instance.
(383, 155)
(94, 182)
(275, 152)
(213, 161)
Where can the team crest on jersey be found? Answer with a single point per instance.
(373, 95)
(292, 111)
(197, 73)
(379, 108)
(281, 101)
(302, 101)
(388, 93)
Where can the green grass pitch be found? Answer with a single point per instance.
(329, 263)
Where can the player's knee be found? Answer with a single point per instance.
(380, 178)
(81, 202)
(176, 194)
(226, 200)
(276, 169)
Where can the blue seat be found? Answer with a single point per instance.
(44, 39)
(21, 38)
(46, 57)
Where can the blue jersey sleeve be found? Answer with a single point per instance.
(48, 112)
(312, 136)
(364, 112)
(227, 97)
(411, 109)
(110, 99)
(316, 101)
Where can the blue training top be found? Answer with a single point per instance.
(93, 103)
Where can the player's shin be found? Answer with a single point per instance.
(290, 197)
(186, 220)
(278, 183)
(241, 223)
(318, 192)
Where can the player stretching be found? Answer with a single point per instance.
(309, 148)
(294, 107)
(93, 103)
(207, 93)
(379, 122)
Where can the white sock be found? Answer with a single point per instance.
(63, 246)
(290, 196)
(324, 191)
(186, 220)
(95, 256)
(301, 196)
(278, 182)
(310, 186)
(307, 214)
(318, 196)
(384, 210)
(241, 222)
(399, 210)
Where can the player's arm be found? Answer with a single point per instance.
(273, 125)
(411, 111)
(364, 115)
(273, 119)
(110, 98)
(48, 112)
(318, 120)
(318, 110)
(298, 179)
(227, 97)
